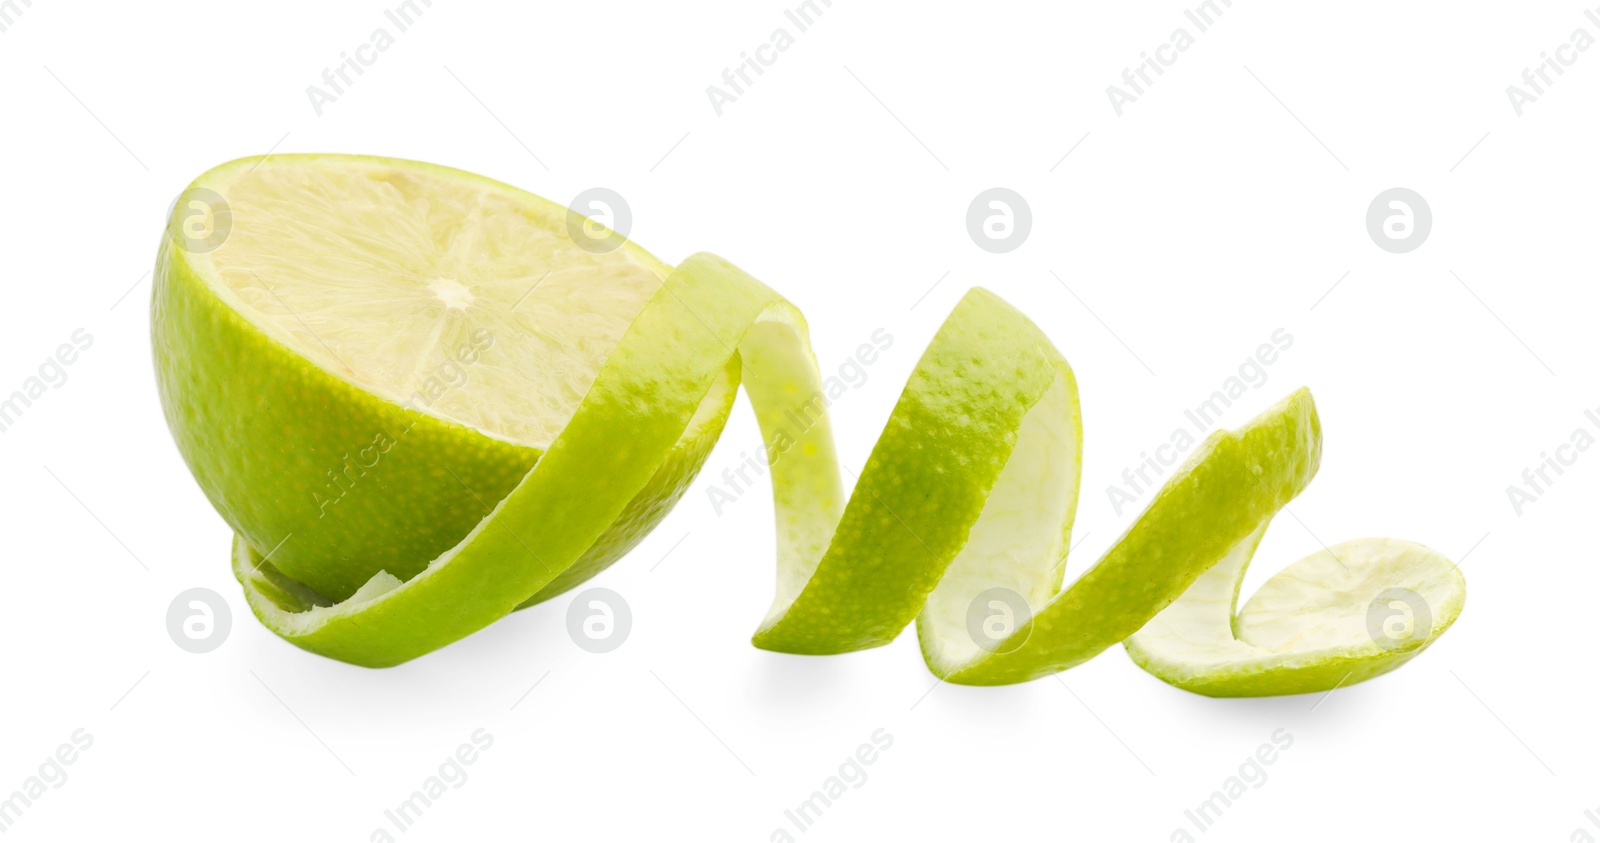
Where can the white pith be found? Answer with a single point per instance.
(1018, 542)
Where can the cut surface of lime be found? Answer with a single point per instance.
(400, 280)
(422, 404)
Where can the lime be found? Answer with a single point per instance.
(379, 350)
(421, 403)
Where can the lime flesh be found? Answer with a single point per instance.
(465, 301)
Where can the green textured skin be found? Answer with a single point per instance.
(910, 515)
(1232, 484)
(1291, 677)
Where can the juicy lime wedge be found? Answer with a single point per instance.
(421, 405)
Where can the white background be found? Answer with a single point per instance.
(1183, 232)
